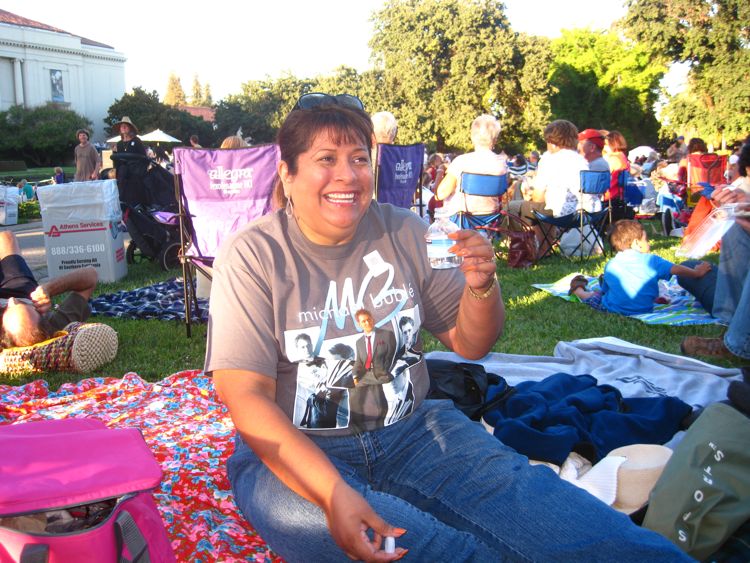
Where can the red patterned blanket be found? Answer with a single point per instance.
(190, 434)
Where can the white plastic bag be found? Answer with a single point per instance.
(698, 243)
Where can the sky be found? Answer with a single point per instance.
(227, 43)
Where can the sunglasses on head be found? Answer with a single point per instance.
(318, 99)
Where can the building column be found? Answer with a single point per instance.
(18, 81)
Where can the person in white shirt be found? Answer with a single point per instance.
(485, 130)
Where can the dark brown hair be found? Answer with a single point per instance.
(562, 133)
(296, 135)
(624, 232)
(697, 144)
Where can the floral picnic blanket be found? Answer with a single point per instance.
(164, 301)
(682, 308)
(190, 434)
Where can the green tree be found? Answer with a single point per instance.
(208, 99)
(44, 135)
(369, 86)
(531, 105)
(143, 108)
(605, 82)
(175, 95)
(260, 108)
(713, 37)
(447, 61)
(197, 97)
(148, 113)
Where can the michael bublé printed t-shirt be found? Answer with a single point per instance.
(284, 307)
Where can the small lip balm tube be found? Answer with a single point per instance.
(390, 544)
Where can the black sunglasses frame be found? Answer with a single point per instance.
(319, 99)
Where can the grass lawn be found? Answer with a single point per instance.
(535, 322)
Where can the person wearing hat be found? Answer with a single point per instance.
(590, 145)
(87, 158)
(130, 171)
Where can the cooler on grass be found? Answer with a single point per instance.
(9, 196)
(81, 224)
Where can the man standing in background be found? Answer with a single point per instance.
(87, 159)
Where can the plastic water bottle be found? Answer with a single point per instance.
(438, 242)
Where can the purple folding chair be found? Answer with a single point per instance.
(219, 192)
(398, 174)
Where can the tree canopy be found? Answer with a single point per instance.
(437, 64)
(447, 61)
(713, 37)
(148, 113)
(44, 135)
(197, 92)
(605, 82)
(174, 95)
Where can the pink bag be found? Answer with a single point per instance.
(61, 465)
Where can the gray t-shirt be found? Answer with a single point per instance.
(599, 165)
(284, 307)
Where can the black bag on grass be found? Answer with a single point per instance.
(463, 383)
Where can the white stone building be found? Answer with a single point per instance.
(40, 64)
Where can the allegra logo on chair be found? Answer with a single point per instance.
(403, 172)
(231, 180)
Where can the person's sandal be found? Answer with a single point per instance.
(578, 282)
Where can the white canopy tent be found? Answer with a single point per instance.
(155, 136)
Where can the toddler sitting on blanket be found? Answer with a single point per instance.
(630, 283)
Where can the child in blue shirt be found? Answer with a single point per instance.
(630, 283)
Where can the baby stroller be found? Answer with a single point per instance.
(151, 218)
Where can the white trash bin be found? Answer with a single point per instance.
(81, 222)
(9, 196)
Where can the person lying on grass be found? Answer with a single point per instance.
(26, 307)
(630, 284)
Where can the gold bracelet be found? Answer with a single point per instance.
(486, 293)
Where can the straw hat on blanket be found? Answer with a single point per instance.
(625, 478)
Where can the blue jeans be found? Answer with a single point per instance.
(731, 293)
(703, 288)
(460, 493)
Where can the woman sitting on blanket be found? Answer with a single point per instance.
(426, 474)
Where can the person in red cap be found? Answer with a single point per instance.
(590, 145)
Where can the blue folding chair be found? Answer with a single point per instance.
(632, 194)
(593, 183)
(398, 174)
(483, 185)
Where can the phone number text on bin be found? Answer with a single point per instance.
(76, 249)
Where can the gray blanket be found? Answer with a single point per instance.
(635, 370)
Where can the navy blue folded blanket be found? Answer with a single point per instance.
(546, 420)
(163, 301)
